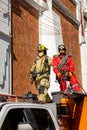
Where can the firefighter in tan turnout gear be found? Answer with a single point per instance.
(40, 73)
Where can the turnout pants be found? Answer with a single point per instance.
(42, 86)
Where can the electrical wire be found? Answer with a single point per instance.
(50, 27)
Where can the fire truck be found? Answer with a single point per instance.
(65, 112)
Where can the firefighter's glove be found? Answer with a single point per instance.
(58, 75)
(70, 74)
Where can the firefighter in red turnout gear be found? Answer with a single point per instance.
(63, 67)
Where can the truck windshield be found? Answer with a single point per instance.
(39, 119)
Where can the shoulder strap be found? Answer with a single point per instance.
(63, 62)
(47, 64)
(46, 60)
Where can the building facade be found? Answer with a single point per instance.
(50, 22)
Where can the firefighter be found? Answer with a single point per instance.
(63, 67)
(40, 73)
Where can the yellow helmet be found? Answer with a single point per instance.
(41, 47)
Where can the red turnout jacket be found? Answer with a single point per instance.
(68, 66)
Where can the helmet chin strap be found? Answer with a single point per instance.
(62, 53)
(40, 54)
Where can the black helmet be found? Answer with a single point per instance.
(41, 47)
(62, 47)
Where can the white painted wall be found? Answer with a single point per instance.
(50, 35)
(84, 51)
(83, 42)
(5, 46)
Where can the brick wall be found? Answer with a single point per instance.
(24, 42)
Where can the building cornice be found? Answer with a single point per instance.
(65, 12)
(40, 5)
